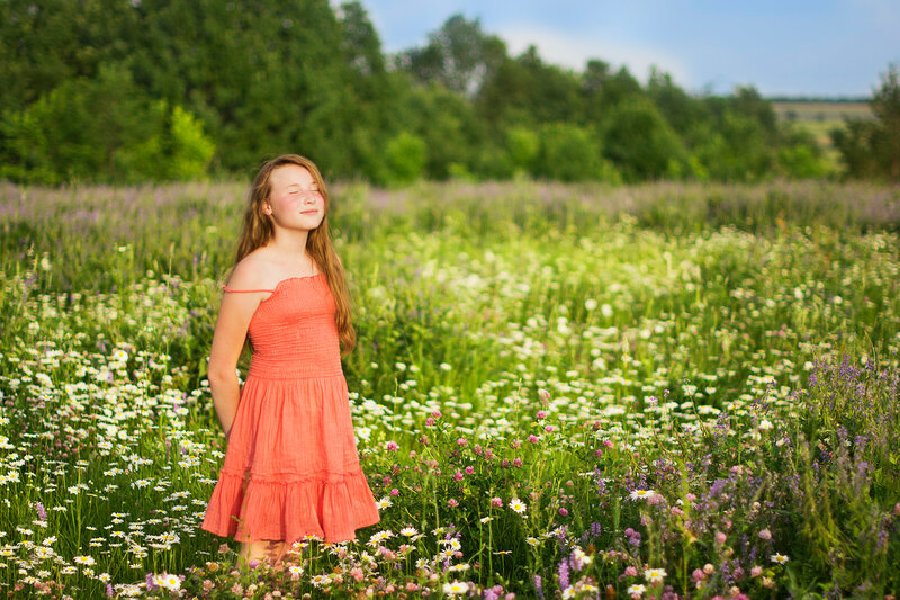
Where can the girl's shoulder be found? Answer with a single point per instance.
(254, 271)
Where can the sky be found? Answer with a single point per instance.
(819, 48)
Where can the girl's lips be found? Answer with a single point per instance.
(309, 212)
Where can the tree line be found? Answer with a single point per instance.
(153, 90)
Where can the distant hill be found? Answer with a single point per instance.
(821, 111)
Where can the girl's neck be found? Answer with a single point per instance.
(289, 243)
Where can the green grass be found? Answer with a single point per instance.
(683, 377)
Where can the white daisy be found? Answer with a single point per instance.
(456, 587)
(637, 589)
(642, 494)
(172, 582)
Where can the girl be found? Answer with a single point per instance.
(291, 465)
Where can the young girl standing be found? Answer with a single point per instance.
(291, 465)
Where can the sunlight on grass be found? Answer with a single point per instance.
(558, 391)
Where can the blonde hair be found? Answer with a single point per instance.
(258, 231)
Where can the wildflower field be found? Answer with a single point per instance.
(665, 391)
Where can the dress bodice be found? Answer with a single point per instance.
(293, 333)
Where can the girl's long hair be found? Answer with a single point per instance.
(258, 231)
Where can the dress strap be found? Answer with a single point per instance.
(234, 291)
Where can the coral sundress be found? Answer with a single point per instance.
(291, 467)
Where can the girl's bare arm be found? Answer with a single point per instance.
(228, 339)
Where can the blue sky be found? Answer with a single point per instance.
(789, 47)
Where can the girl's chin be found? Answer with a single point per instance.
(305, 225)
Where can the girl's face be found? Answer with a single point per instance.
(295, 200)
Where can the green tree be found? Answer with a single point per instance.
(460, 56)
(800, 156)
(872, 148)
(74, 131)
(640, 143)
(748, 102)
(738, 139)
(856, 142)
(737, 150)
(527, 91)
(523, 146)
(265, 81)
(103, 129)
(370, 106)
(886, 108)
(446, 122)
(571, 153)
(47, 43)
(602, 89)
(405, 156)
(680, 110)
(177, 150)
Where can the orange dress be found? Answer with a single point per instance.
(291, 467)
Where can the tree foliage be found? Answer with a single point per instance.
(640, 142)
(104, 90)
(871, 148)
(405, 157)
(459, 56)
(60, 138)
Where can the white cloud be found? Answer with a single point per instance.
(573, 51)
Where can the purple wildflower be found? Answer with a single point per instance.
(634, 537)
(538, 588)
(563, 574)
(669, 593)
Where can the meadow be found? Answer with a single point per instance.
(819, 118)
(577, 391)
(822, 110)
